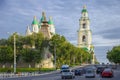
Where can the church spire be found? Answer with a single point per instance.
(43, 17)
(84, 9)
(28, 31)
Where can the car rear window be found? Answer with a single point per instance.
(66, 71)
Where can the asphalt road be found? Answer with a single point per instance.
(57, 76)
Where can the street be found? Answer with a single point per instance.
(57, 76)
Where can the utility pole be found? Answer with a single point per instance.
(55, 54)
(14, 53)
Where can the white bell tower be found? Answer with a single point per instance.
(84, 32)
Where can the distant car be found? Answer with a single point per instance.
(112, 66)
(67, 74)
(78, 72)
(100, 69)
(64, 67)
(107, 73)
(90, 73)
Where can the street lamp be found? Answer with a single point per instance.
(55, 54)
(14, 53)
(14, 36)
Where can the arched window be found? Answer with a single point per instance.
(84, 25)
(84, 38)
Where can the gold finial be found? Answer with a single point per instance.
(34, 17)
(84, 7)
(50, 17)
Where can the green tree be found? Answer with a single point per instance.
(114, 54)
(6, 54)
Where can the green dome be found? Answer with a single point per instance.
(86, 49)
(84, 10)
(34, 22)
(50, 21)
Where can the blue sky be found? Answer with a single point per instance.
(16, 15)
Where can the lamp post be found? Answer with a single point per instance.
(14, 41)
(55, 55)
(14, 53)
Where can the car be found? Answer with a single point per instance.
(100, 69)
(67, 74)
(107, 73)
(78, 72)
(63, 67)
(112, 66)
(90, 73)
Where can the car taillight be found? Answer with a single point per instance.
(110, 72)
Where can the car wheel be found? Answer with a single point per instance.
(73, 76)
(62, 77)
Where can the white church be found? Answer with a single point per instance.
(85, 33)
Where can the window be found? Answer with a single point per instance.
(84, 39)
(84, 25)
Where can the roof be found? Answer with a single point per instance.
(84, 10)
(35, 22)
(50, 21)
(86, 49)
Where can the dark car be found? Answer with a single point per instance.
(78, 72)
(100, 69)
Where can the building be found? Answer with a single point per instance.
(48, 30)
(43, 26)
(84, 32)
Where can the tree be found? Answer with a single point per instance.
(114, 54)
(6, 54)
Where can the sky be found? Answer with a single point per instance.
(16, 15)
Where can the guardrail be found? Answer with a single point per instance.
(21, 74)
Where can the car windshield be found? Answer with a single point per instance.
(66, 71)
(89, 71)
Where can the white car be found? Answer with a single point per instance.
(67, 73)
(90, 73)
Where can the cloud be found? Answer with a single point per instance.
(101, 41)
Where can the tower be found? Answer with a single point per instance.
(35, 25)
(45, 26)
(51, 26)
(84, 32)
(28, 32)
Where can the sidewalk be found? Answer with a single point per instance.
(24, 74)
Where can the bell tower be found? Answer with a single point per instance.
(84, 32)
